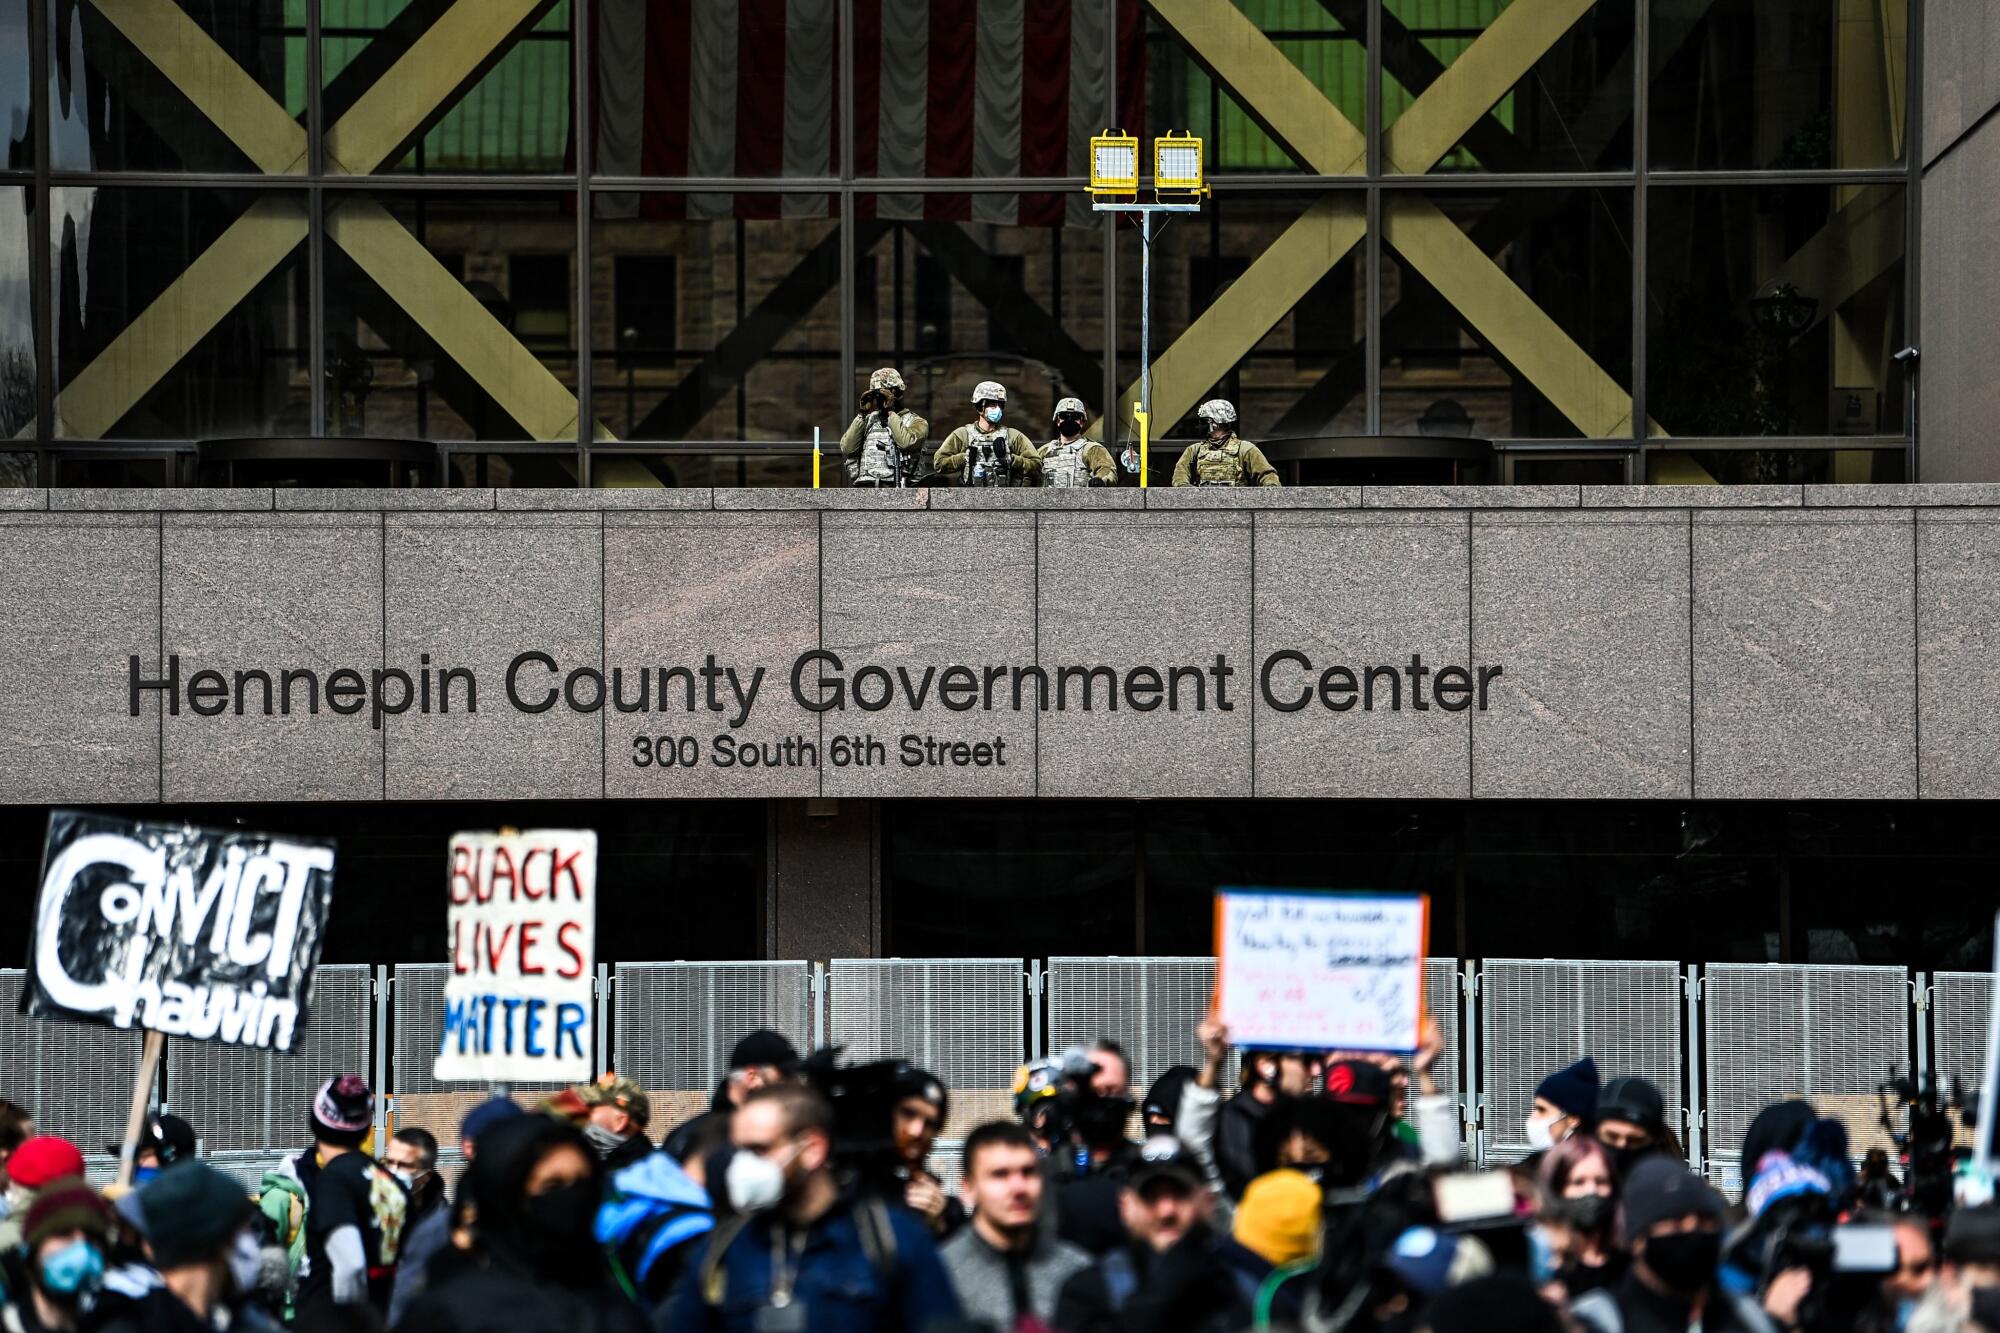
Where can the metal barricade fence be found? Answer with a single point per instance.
(242, 1100)
(963, 1019)
(1961, 1007)
(1149, 1006)
(673, 1025)
(1775, 1031)
(1537, 1015)
(75, 1078)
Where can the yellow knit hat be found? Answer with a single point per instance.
(1278, 1218)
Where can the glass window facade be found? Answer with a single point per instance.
(644, 242)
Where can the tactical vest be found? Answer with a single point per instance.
(1063, 465)
(879, 454)
(989, 459)
(1218, 464)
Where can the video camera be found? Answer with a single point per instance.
(1925, 1146)
(1070, 1116)
(864, 1099)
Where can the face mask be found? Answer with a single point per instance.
(1905, 1309)
(246, 1262)
(753, 1183)
(142, 1174)
(1070, 427)
(75, 1268)
(602, 1139)
(1591, 1212)
(17, 1200)
(1543, 1260)
(1685, 1260)
(557, 1218)
(1622, 1159)
(993, 414)
(1540, 1137)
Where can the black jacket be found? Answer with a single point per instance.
(1237, 1127)
(1188, 1289)
(1640, 1309)
(492, 1299)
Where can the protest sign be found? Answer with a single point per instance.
(522, 926)
(1321, 971)
(208, 934)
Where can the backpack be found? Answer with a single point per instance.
(871, 1219)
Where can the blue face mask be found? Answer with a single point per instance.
(1543, 1261)
(993, 415)
(142, 1174)
(1904, 1309)
(76, 1267)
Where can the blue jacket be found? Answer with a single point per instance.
(653, 1208)
(842, 1288)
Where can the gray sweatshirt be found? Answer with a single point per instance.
(979, 1272)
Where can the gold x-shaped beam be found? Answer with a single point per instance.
(1229, 43)
(253, 246)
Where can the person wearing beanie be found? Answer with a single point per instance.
(1631, 1121)
(1277, 1223)
(200, 1231)
(355, 1211)
(66, 1236)
(760, 1059)
(1565, 1102)
(1671, 1222)
(921, 1106)
(30, 1168)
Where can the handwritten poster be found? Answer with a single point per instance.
(1321, 971)
(209, 934)
(522, 925)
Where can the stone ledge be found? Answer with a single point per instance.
(453, 498)
(732, 497)
(160, 499)
(1253, 497)
(1037, 497)
(22, 498)
(604, 497)
(1692, 497)
(1903, 495)
(1471, 497)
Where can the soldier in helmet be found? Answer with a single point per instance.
(885, 444)
(986, 453)
(1221, 459)
(1070, 459)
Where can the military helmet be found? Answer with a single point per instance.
(1217, 409)
(1071, 405)
(987, 390)
(886, 378)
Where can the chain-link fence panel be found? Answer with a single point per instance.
(1961, 1009)
(673, 1025)
(1538, 1015)
(963, 1019)
(1775, 1031)
(1149, 1006)
(416, 995)
(76, 1078)
(243, 1100)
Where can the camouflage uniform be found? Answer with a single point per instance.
(1078, 462)
(1226, 462)
(875, 438)
(966, 456)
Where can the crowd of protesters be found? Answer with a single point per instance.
(1285, 1190)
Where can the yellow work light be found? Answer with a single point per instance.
(1114, 163)
(1177, 164)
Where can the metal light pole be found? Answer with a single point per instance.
(1114, 171)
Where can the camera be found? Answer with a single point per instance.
(863, 1098)
(1925, 1146)
(1075, 1121)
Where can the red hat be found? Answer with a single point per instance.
(42, 1159)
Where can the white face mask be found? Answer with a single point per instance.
(1540, 1137)
(246, 1262)
(754, 1183)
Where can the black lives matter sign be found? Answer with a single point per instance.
(201, 933)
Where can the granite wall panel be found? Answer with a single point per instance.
(1804, 654)
(272, 593)
(903, 595)
(1958, 653)
(1153, 591)
(741, 586)
(477, 591)
(1587, 613)
(79, 597)
(1349, 590)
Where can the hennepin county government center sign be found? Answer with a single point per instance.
(820, 682)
